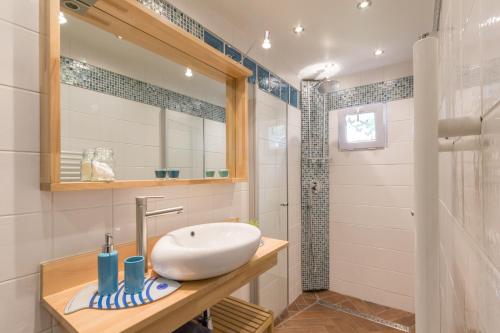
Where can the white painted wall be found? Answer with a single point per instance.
(469, 188)
(371, 197)
(37, 226)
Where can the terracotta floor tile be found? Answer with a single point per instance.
(333, 297)
(398, 316)
(305, 315)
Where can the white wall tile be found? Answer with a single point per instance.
(370, 199)
(19, 57)
(21, 12)
(395, 153)
(374, 295)
(386, 238)
(385, 196)
(80, 230)
(391, 260)
(383, 279)
(21, 311)
(19, 119)
(20, 179)
(26, 241)
(81, 199)
(389, 175)
(399, 110)
(468, 188)
(373, 216)
(400, 131)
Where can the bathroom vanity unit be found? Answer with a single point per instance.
(63, 278)
(168, 108)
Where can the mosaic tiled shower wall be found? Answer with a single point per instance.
(267, 81)
(315, 204)
(315, 165)
(84, 75)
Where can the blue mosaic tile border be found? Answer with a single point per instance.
(83, 75)
(274, 85)
(251, 65)
(213, 41)
(233, 53)
(379, 92)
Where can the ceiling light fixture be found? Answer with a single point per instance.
(364, 4)
(119, 37)
(266, 44)
(378, 52)
(298, 29)
(62, 18)
(189, 72)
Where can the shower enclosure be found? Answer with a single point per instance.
(269, 191)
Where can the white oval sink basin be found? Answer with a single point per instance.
(204, 251)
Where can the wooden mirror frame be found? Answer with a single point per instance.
(145, 28)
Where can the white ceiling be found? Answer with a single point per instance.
(336, 30)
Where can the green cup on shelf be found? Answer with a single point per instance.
(173, 173)
(223, 173)
(209, 173)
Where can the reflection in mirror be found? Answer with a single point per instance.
(130, 114)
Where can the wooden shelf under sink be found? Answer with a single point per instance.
(235, 315)
(61, 279)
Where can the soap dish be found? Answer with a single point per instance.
(154, 289)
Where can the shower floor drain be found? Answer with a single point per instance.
(366, 316)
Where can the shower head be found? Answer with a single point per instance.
(327, 86)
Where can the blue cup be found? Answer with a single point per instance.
(223, 173)
(161, 173)
(173, 173)
(134, 274)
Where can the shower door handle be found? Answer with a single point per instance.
(284, 204)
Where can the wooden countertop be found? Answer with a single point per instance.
(62, 279)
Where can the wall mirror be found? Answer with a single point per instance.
(134, 100)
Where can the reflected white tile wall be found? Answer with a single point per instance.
(90, 119)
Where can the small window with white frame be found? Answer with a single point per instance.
(362, 127)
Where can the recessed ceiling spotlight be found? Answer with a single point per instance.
(266, 44)
(62, 18)
(364, 4)
(378, 52)
(119, 36)
(298, 29)
(189, 72)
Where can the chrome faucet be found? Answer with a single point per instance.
(141, 215)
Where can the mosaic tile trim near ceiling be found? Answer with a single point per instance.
(380, 92)
(83, 75)
(268, 81)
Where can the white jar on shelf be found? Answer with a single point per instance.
(103, 165)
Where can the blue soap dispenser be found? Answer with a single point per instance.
(107, 267)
